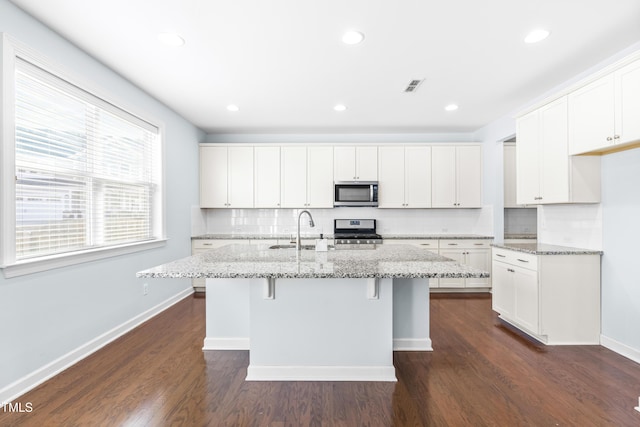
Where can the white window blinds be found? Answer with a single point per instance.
(86, 171)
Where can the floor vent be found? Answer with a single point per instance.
(413, 86)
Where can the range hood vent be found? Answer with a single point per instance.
(413, 86)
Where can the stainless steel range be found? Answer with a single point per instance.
(355, 233)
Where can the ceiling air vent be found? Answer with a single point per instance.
(413, 86)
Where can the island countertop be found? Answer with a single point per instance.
(258, 261)
(545, 249)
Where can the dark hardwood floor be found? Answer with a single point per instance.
(481, 373)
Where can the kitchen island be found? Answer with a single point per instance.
(307, 315)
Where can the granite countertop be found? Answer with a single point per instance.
(545, 249)
(330, 236)
(258, 261)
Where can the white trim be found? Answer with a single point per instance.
(412, 344)
(63, 260)
(321, 373)
(620, 348)
(240, 343)
(37, 377)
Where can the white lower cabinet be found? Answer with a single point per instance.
(473, 252)
(553, 298)
(199, 246)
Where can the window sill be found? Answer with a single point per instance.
(43, 264)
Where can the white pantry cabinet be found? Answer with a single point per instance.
(404, 175)
(603, 115)
(267, 177)
(545, 173)
(355, 163)
(456, 176)
(306, 176)
(473, 252)
(226, 176)
(554, 298)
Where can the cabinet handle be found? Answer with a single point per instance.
(207, 244)
(510, 270)
(501, 256)
(609, 138)
(478, 244)
(357, 177)
(616, 136)
(452, 244)
(522, 260)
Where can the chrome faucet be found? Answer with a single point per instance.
(311, 223)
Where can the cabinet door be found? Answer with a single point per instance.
(554, 157)
(458, 256)
(469, 176)
(527, 311)
(293, 173)
(367, 163)
(417, 172)
(527, 162)
(503, 299)
(391, 177)
(267, 177)
(320, 177)
(443, 177)
(509, 176)
(344, 163)
(240, 176)
(213, 177)
(480, 259)
(591, 115)
(627, 84)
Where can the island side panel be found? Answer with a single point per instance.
(227, 314)
(322, 329)
(411, 315)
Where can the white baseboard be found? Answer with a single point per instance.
(321, 373)
(622, 349)
(412, 344)
(34, 379)
(240, 343)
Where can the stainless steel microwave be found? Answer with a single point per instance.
(355, 193)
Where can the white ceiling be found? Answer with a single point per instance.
(283, 63)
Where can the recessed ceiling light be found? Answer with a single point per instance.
(233, 107)
(352, 37)
(536, 35)
(340, 107)
(171, 39)
(451, 107)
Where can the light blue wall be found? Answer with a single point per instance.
(46, 315)
(620, 279)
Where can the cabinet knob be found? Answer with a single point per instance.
(616, 136)
(609, 138)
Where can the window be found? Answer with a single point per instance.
(85, 172)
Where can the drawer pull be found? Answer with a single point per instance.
(522, 260)
(479, 244)
(452, 244)
(207, 244)
(501, 256)
(510, 270)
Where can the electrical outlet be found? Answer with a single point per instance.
(145, 289)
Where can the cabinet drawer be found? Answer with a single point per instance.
(520, 259)
(465, 243)
(206, 244)
(430, 244)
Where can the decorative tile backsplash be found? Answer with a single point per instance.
(520, 221)
(389, 221)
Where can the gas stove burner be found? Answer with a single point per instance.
(354, 232)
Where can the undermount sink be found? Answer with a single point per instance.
(293, 246)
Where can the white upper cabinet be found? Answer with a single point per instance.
(603, 115)
(545, 172)
(404, 176)
(267, 177)
(456, 176)
(355, 163)
(226, 177)
(306, 177)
